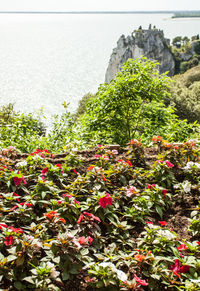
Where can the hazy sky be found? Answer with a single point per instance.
(71, 5)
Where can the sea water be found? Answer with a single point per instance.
(49, 59)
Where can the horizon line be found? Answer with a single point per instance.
(96, 12)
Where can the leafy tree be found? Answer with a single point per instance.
(177, 41)
(117, 113)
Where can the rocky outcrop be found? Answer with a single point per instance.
(150, 43)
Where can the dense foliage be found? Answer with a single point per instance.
(185, 95)
(132, 106)
(104, 219)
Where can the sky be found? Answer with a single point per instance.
(102, 5)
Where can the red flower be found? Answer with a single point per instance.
(59, 166)
(82, 240)
(169, 164)
(44, 171)
(177, 268)
(198, 242)
(90, 239)
(16, 195)
(16, 230)
(182, 247)
(162, 223)
(18, 181)
(149, 222)
(164, 192)
(106, 200)
(140, 281)
(75, 171)
(3, 225)
(8, 240)
(150, 186)
(129, 163)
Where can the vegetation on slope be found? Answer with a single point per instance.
(185, 95)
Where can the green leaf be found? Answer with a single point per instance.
(159, 210)
(18, 285)
(65, 276)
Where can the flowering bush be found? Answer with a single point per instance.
(105, 223)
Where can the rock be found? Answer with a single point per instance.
(150, 43)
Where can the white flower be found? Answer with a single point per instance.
(166, 233)
(50, 265)
(108, 264)
(21, 164)
(190, 165)
(120, 274)
(54, 273)
(194, 281)
(186, 186)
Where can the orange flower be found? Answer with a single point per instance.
(62, 219)
(90, 168)
(52, 214)
(157, 138)
(140, 258)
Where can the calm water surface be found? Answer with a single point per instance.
(47, 59)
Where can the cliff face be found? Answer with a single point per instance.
(150, 43)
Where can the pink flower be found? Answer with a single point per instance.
(177, 268)
(131, 191)
(150, 186)
(159, 162)
(164, 192)
(140, 281)
(182, 247)
(97, 156)
(8, 240)
(105, 157)
(60, 201)
(105, 201)
(81, 217)
(76, 201)
(162, 223)
(82, 240)
(90, 239)
(169, 164)
(92, 216)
